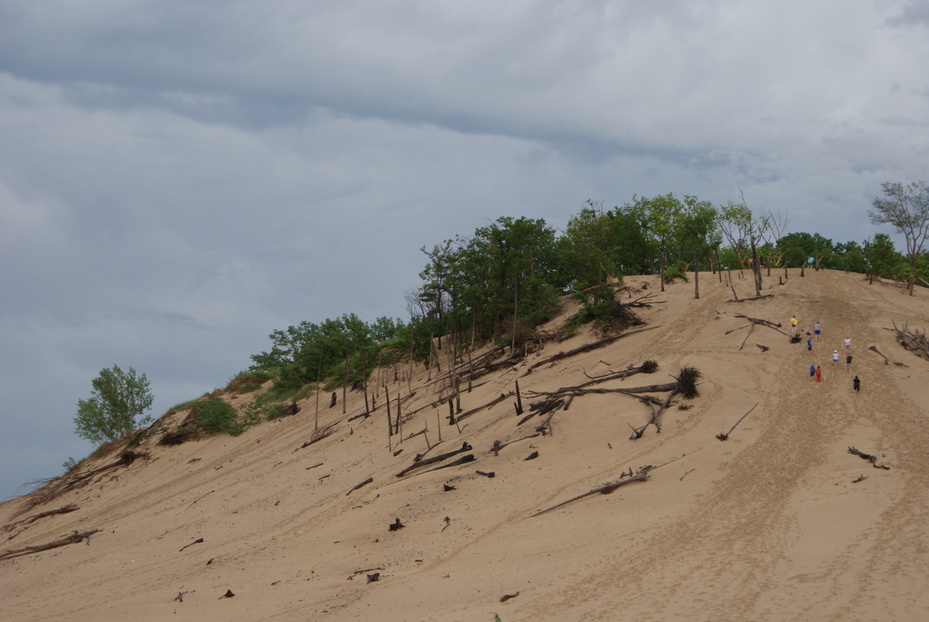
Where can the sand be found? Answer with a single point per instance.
(769, 525)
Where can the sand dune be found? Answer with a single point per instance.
(768, 525)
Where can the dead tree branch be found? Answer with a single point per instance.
(74, 538)
(725, 436)
(606, 489)
(586, 348)
(869, 458)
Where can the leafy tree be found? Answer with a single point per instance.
(509, 267)
(629, 244)
(880, 255)
(907, 209)
(849, 256)
(586, 250)
(117, 398)
(660, 220)
(698, 233)
(744, 231)
(797, 247)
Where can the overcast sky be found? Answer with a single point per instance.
(178, 178)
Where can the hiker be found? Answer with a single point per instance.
(848, 343)
(819, 374)
(848, 362)
(856, 384)
(817, 329)
(809, 345)
(835, 356)
(793, 326)
(812, 371)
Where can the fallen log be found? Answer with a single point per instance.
(725, 436)
(497, 446)
(603, 490)
(914, 341)
(361, 485)
(31, 519)
(426, 462)
(462, 460)
(869, 458)
(493, 402)
(755, 320)
(74, 538)
(586, 348)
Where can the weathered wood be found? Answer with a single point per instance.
(725, 436)
(361, 485)
(586, 348)
(426, 462)
(74, 538)
(65, 509)
(462, 460)
(498, 445)
(874, 349)
(489, 404)
(869, 458)
(912, 340)
(603, 490)
(772, 325)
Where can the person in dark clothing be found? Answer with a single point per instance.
(856, 384)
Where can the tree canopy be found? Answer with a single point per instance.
(117, 399)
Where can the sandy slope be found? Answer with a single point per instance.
(765, 526)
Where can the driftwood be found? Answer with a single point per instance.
(426, 462)
(754, 320)
(361, 485)
(586, 348)
(499, 445)
(725, 436)
(318, 435)
(74, 538)
(887, 360)
(27, 522)
(197, 541)
(737, 299)
(488, 474)
(912, 340)
(606, 489)
(874, 349)
(493, 402)
(462, 460)
(541, 409)
(648, 367)
(869, 458)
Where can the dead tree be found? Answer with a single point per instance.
(725, 436)
(912, 340)
(74, 538)
(606, 489)
(426, 462)
(869, 458)
(586, 348)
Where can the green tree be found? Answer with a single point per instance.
(660, 219)
(698, 233)
(907, 209)
(117, 398)
(586, 250)
(880, 256)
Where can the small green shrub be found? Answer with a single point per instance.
(215, 415)
(247, 381)
(675, 272)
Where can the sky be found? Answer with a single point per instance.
(179, 178)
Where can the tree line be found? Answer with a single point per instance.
(511, 275)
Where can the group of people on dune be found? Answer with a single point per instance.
(816, 371)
